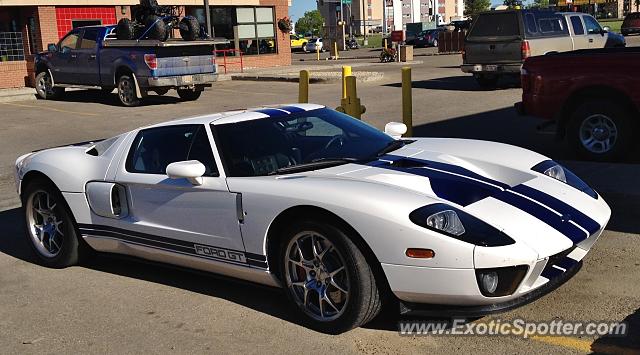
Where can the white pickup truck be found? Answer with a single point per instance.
(499, 41)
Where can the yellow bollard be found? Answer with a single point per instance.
(351, 104)
(346, 71)
(303, 87)
(335, 47)
(318, 52)
(385, 43)
(407, 102)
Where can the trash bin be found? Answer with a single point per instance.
(406, 53)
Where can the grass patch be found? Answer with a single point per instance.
(614, 25)
(375, 41)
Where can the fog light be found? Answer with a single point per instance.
(490, 282)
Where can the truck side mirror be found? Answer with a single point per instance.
(606, 29)
(52, 47)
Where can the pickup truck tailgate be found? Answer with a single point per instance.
(187, 60)
(494, 38)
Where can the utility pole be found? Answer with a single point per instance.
(344, 46)
(207, 12)
(384, 18)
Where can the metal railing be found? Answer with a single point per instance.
(11, 47)
(226, 53)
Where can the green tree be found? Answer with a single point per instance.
(512, 3)
(474, 7)
(311, 21)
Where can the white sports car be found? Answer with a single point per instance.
(339, 214)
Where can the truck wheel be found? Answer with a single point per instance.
(600, 130)
(127, 91)
(44, 87)
(189, 94)
(126, 29)
(487, 81)
(155, 28)
(327, 278)
(189, 28)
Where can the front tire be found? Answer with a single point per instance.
(600, 130)
(327, 278)
(50, 226)
(45, 89)
(127, 91)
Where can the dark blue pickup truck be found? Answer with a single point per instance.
(93, 57)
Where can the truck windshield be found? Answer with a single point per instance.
(496, 25)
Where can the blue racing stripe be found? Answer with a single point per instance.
(551, 272)
(543, 214)
(570, 212)
(271, 112)
(566, 263)
(292, 109)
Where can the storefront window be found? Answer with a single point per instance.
(249, 29)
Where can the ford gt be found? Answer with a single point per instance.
(340, 215)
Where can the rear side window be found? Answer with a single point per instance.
(576, 23)
(544, 24)
(551, 25)
(154, 149)
(496, 25)
(89, 38)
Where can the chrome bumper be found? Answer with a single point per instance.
(182, 80)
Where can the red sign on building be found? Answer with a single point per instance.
(397, 36)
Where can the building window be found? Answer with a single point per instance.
(11, 46)
(250, 29)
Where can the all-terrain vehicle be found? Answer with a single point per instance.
(152, 21)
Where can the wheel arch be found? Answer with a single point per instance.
(32, 175)
(600, 92)
(274, 235)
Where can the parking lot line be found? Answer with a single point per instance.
(565, 342)
(50, 109)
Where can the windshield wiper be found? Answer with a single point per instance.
(315, 164)
(391, 146)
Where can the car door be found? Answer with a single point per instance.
(174, 211)
(63, 63)
(580, 40)
(87, 70)
(597, 37)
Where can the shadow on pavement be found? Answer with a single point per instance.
(111, 99)
(615, 344)
(459, 83)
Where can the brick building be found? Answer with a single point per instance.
(27, 26)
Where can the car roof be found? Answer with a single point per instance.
(242, 115)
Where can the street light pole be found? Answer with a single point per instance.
(365, 42)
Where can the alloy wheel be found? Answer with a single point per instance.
(316, 276)
(598, 134)
(45, 223)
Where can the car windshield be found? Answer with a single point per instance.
(269, 145)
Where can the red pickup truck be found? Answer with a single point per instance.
(593, 95)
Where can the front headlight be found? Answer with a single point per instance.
(560, 173)
(458, 224)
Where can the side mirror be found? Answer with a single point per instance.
(191, 170)
(65, 50)
(52, 47)
(395, 129)
(606, 29)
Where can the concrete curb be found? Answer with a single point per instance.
(293, 77)
(376, 57)
(14, 95)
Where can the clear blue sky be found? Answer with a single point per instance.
(298, 8)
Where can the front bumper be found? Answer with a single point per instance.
(511, 68)
(182, 80)
(431, 310)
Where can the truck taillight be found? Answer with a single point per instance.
(525, 50)
(151, 60)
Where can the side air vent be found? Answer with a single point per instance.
(107, 199)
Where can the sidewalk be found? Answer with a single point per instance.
(17, 94)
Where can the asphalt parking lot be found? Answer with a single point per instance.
(119, 305)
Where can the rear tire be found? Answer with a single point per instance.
(189, 94)
(50, 226)
(600, 130)
(189, 28)
(126, 29)
(44, 87)
(486, 81)
(127, 91)
(319, 260)
(155, 28)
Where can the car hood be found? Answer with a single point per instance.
(494, 182)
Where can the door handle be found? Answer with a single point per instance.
(92, 57)
(74, 56)
(590, 40)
